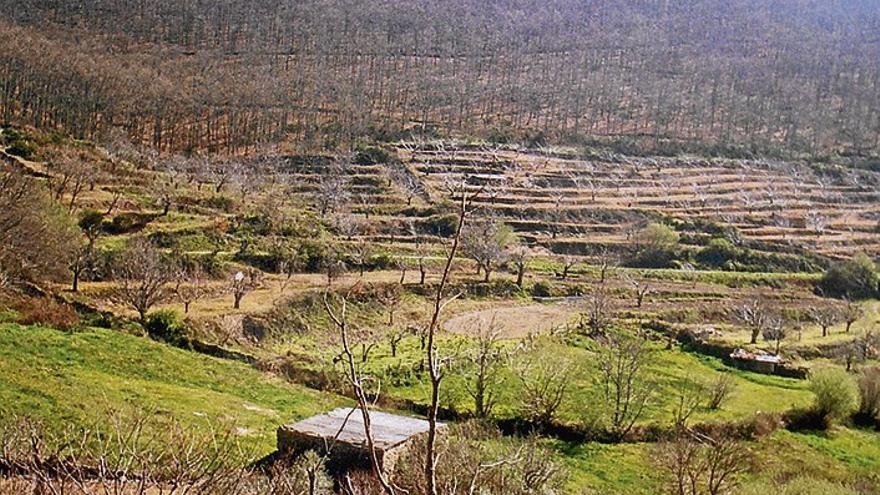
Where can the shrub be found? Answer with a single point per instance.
(801, 485)
(656, 247)
(165, 326)
(869, 394)
(372, 155)
(719, 391)
(126, 223)
(836, 394)
(47, 312)
(856, 279)
(717, 253)
(220, 202)
(441, 225)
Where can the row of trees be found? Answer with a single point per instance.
(232, 75)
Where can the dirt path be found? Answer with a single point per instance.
(513, 322)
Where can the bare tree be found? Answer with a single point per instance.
(519, 256)
(598, 312)
(141, 276)
(851, 313)
(486, 243)
(243, 283)
(332, 193)
(701, 464)
(825, 317)
(641, 288)
(608, 260)
(465, 204)
(626, 391)
(775, 330)
(189, 285)
(568, 263)
(545, 376)
(357, 381)
(688, 398)
(485, 361)
(753, 315)
(36, 239)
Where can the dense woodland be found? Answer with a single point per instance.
(725, 77)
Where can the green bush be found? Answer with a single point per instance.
(372, 155)
(165, 326)
(127, 223)
(542, 289)
(656, 247)
(855, 279)
(837, 395)
(442, 225)
(717, 253)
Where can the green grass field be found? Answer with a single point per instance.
(76, 378)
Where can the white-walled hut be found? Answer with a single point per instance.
(341, 431)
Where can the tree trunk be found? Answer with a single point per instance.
(519, 276)
(754, 337)
(75, 287)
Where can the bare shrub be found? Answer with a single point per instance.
(476, 461)
(485, 362)
(140, 454)
(624, 386)
(697, 464)
(46, 311)
(720, 390)
(869, 393)
(545, 375)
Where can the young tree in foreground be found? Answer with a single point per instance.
(626, 390)
(358, 382)
(695, 464)
(141, 276)
(464, 198)
(486, 360)
(545, 377)
(719, 390)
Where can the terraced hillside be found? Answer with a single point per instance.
(573, 205)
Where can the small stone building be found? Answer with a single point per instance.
(757, 362)
(392, 436)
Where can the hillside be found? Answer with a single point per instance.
(614, 247)
(744, 78)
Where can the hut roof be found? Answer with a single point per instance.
(389, 430)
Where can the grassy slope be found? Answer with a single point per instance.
(844, 456)
(75, 377)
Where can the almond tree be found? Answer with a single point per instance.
(825, 317)
(775, 330)
(851, 313)
(141, 277)
(486, 243)
(753, 314)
